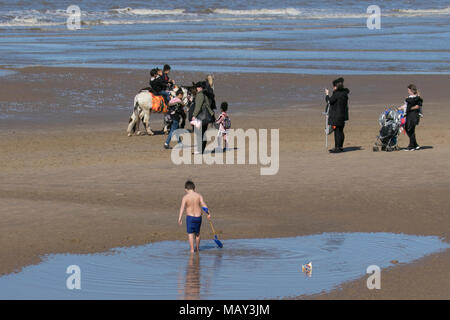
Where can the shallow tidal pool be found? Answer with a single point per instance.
(242, 269)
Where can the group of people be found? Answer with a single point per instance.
(200, 110)
(338, 114)
(160, 83)
(203, 113)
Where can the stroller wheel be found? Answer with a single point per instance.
(389, 149)
(375, 149)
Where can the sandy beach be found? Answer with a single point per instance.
(72, 181)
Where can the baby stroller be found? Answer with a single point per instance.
(391, 122)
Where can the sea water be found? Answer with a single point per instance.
(4, 72)
(322, 37)
(242, 269)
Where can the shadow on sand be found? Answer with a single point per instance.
(158, 132)
(349, 149)
(219, 150)
(421, 148)
(425, 148)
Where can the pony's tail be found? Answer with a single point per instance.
(136, 107)
(132, 130)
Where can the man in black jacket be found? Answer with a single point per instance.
(338, 112)
(160, 85)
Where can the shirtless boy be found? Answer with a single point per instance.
(193, 204)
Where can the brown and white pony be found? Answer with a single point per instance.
(143, 108)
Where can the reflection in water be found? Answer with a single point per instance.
(192, 283)
(334, 243)
(243, 269)
(196, 278)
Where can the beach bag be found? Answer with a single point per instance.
(227, 123)
(204, 116)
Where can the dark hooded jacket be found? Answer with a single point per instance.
(338, 113)
(159, 84)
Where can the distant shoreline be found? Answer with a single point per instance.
(46, 96)
(229, 69)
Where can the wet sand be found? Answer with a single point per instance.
(72, 181)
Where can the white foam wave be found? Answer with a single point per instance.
(422, 12)
(336, 16)
(258, 12)
(123, 22)
(149, 12)
(28, 22)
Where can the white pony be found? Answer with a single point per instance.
(143, 108)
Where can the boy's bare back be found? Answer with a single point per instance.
(193, 204)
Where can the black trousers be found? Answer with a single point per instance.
(339, 137)
(204, 128)
(411, 132)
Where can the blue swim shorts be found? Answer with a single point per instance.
(193, 224)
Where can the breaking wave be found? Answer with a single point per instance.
(259, 12)
(116, 16)
(423, 12)
(148, 12)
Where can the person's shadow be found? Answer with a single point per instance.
(158, 132)
(421, 148)
(350, 149)
(425, 148)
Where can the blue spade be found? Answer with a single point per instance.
(216, 239)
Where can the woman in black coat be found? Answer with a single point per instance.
(413, 105)
(338, 112)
